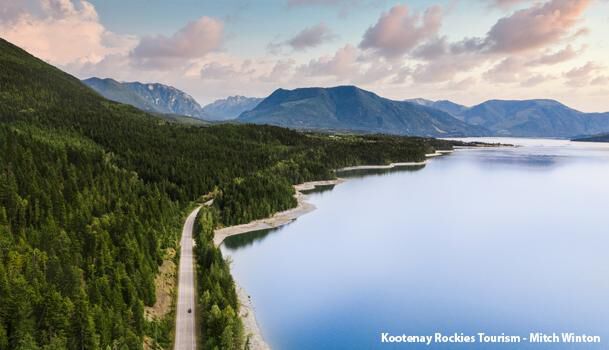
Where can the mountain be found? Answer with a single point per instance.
(230, 107)
(349, 108)
(421, 101)
(443, 105)
(156, 98)
(525, 118)
(534, 118)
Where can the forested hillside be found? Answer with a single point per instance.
(93, 191)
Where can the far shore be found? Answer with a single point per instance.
(395, 165)
(247, 312)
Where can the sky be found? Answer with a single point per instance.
(466, 51)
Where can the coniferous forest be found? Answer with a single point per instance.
(92, 192)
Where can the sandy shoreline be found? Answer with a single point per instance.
(247, 312)
(250, 326)
(278, 219)
(395, 165)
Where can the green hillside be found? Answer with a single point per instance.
(93, 191)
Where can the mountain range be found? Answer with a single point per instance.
(229, 108)
(526, 118)
(164, 99)
(348, 108)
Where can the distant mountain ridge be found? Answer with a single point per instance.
(230, 107)
(348, 108)
(150, 97)
(526, 118)
(443, 105)
(165, 99)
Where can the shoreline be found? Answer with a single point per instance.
(247, 311)
(278, 219)
(396, 165)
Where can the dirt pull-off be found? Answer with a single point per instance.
(165, 284)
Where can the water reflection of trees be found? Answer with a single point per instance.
(247, 239)
(319, 189)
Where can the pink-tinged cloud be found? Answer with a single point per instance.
(342, 65)
(218, 71)
(311, 37)
(590, 73)
(443, 69)
(504, 4)
(509, 70)
(226, 68)
(536, 79)
(399, 31)
(294, 3)
(195, 40)
(560, 56)
(62, 31)
(536, 27)
(282, 70)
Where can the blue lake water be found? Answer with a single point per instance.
(501, 240)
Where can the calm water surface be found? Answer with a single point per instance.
(511, 240)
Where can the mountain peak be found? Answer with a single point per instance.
(230, 107)
(152, 97)
(350, 108)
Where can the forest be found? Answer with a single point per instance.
(92, 192)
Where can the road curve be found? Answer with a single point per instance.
(185, 338)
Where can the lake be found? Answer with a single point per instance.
(494, 240)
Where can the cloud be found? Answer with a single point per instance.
(589, 74)
(515, 69)
(504, 4)
(535, 27)
(536, 79)
(342, 64)
(462, 84)
(310, 37)
(226, 69)
(444, 69)
(398, 31)
(62, 31)
(294, 3)
(527, 32)
(557, 57)
(281, 71)
(218, 71)
(195, 40)
(509, 70)
(432, 49)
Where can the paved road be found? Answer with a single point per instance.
(185, 338)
